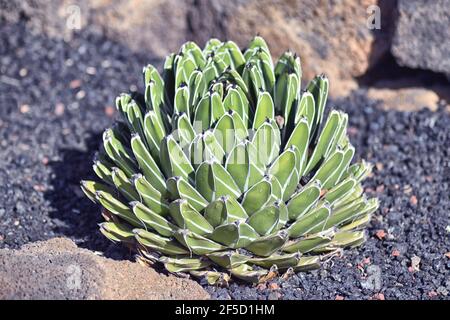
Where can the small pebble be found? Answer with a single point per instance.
(91, 71)
(25, 108)
(80, 94)
(59, 109)
(23, 72)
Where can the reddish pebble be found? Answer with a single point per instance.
(75, 84)
(379, 296)
(379, 166)
(273, 286)
(24, 108)
(338, 297)
(59, 109)
(352, 131)
(432, 294)
(380, 234)
(395, 253)
(39, 187)
(413, 200)
(110, 111)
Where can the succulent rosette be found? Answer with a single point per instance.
(225, 167)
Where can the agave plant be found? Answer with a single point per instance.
(224, 166)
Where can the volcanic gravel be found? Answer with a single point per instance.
(56, 98)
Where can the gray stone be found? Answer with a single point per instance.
(422, 35)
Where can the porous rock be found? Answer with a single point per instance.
(58, 269)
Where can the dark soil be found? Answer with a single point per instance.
(57, 97)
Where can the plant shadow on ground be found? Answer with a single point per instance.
(77, 217)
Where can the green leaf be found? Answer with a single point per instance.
(197, 89)
(265, 220)
(147, 165)
(283, 167)
(318, 87)
(173, 160)
(234, 235)
(303, 200)
(309, 243)
(267, 141)
(300, 139)
(124, 185)
(186, 264)
(196, 243)
(122, 102)
(168, 76)
(117, 232)
(236, 100)
(258, 42)
(183, 131)
(103, 170)
(91, 187)
(267, 245)
(240, 129)
(340, 190)
(151, 197)
(224, 132)
(359, 171)
(350, 197)
(218, 109)
(213, 181)
(329, 167)
(282, 261)
(357, 224)
(224, 210)
(228, 259)
(246, 273)
(118, 153)
(191, 49)
(185, 66)
(337, 175)
(237, 82)
(180, 189)
(325, 141)
(352, 211)
(310, 222)
(116, 207)
(288, 63)
(264, 110)
(343, 239)
(154, 132)
(307, 263)
(306, 109)
(257, 196)
(186, 217)
(159, 243)
(153, 220)
(205, 147)
(181, 103)
(237, 59)
(242, 166)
